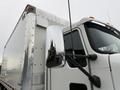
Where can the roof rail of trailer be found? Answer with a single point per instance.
(29, 8)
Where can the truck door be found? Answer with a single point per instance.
(96, 38)
(69, 77)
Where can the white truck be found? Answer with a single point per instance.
(43, 53)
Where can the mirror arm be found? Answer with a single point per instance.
(92, 57)
(94, 79)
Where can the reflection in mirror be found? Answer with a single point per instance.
(54, 47)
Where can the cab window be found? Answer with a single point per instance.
(103, 39)
(77, 46)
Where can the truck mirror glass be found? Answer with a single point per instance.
(54, 47)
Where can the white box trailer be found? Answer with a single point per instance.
(28, 36)
(43, 53)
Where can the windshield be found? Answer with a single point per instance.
(103, 39)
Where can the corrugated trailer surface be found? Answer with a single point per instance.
(13, 57)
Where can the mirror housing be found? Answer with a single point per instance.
(54, 47)
(92, 57)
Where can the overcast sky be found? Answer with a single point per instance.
(10, 11)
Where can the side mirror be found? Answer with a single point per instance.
(54, 47)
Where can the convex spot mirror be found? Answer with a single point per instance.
(54, 47)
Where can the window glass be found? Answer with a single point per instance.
(77, 46)
(103, 39)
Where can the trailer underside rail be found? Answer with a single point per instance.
(5, 86)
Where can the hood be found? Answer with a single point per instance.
(115, 68)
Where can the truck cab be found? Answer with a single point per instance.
(95, 38)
